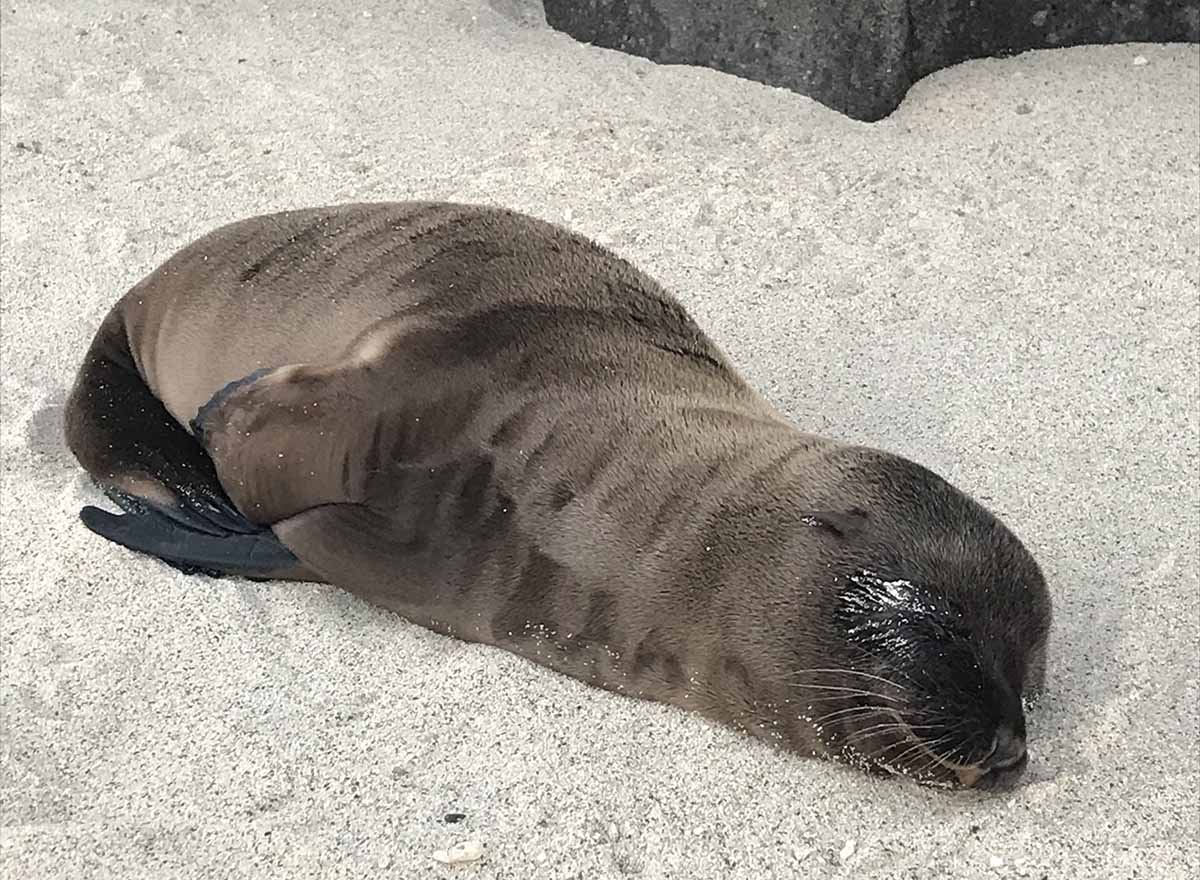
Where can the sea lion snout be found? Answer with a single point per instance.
(1001, 773)
(1008, 752)
(1006, 763)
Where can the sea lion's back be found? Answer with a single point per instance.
(302, 286)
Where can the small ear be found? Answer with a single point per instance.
(843, 523)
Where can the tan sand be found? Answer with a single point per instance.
(999, 281)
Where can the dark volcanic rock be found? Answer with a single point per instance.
(860, 56)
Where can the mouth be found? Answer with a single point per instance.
(1001, 777)
(998, 771)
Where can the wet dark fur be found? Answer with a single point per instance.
(508, 434)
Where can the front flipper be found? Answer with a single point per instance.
(370, 481)
(404, 561)
(431, 533)
(287, 439)
(350, 545)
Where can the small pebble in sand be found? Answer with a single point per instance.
(995, 862)
(454, 818)
(460, 853)
(847, 851)
(1140, 61)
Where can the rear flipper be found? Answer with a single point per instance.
(190, 543)
(151, 467)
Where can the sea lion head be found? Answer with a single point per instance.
(939, 619)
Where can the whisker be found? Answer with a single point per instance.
(846, 690)
(941, 758)
(841, 697)
(960, 754)
(882, 727)
(888, 726)
(899, 759)
(922, 771)
(901, 675)
(834, 671)
(863, 710)
(947, 755)
(928, 746)
(857, 707)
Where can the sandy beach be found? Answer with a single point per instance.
(999, 281)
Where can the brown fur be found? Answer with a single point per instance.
(505, 433)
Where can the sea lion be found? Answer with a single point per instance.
(508, 434)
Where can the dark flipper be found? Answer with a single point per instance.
(201, 512)
(190, 543)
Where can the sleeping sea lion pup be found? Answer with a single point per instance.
(505, 433)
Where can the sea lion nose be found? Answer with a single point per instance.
(1009, 751)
